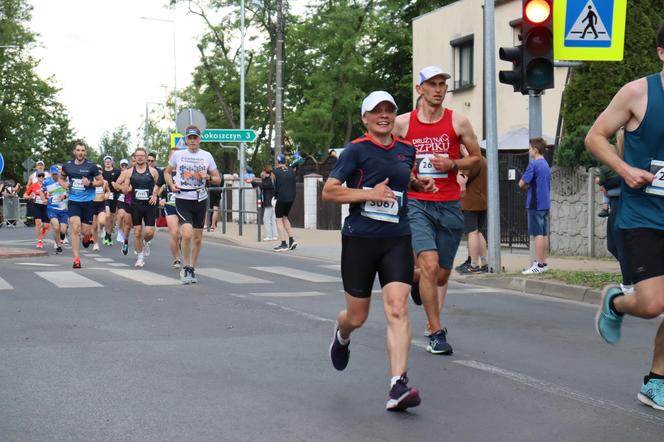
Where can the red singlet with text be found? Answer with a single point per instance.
(429, 139)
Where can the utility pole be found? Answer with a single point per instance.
(279, 98)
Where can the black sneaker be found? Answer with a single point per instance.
(58, 250)
(415, 293)
(125, 248)
(281, 248)
(484, 268)
(292, 245)
(192, 275)
(339, 354)
(467, 269)
(402, 396)
(603, 214)
(438, 344)
(462, 266)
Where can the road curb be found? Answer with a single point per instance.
(538, 287)
(8, 253)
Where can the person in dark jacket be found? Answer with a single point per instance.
(267, 193)
(284, 193)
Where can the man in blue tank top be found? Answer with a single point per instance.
(638, 106)
(80, 177)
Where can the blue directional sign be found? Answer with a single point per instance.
(2, 163)
(589, 29)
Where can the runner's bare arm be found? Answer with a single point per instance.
(334, 192)
(401, 125)
(98, 181)
(168, 177)
(467, 137)
(215, 177)
(617, 114)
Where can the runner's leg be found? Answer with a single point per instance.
(75, 223)
(395, 304)
(196, 246)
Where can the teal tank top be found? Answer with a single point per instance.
(639, 209)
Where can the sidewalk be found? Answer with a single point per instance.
(15, 252)
(326, 245)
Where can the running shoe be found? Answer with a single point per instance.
(652, 393)
(415, 293)
(176, 264)
(58, 250)
(438, 344)
(281, 248)
(470, 269)
(484, 268)
(462, 265)
(87, 240)
(292, 245)
(192, 275)
(77, 263)
(65, 240)
(95, 247)
(146, 248)
(125, 248)
(186, 278)
(40, 244)
(603, 213)
(608, 323)
(140, 262)
(339, 353)
(535, 269)
(402, 396)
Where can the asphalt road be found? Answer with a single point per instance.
(242, 356)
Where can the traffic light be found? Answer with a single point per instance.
(515, 76)
(537, 44)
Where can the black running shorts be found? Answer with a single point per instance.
(112, 205)
(98, 207)
(39, 212)
(82, 210)
(282, 209)
(644, 249)
(362, 258)
(143, 214)
(191, 212)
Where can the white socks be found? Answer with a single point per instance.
(342, 341)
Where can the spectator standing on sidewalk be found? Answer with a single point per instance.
(638, 107)
(537, 179)
(284, 193)
(267, 192)
(474, 206)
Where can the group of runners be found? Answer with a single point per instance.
(92, 201)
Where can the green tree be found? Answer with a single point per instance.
(116, 144)
(33, 124)
(593, 85)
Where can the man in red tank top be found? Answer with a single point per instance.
(436, 219)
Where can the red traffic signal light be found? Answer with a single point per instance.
(537, 34)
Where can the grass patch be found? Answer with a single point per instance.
(595, 280)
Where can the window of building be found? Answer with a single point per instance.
(464, 52)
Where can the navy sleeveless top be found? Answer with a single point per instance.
(639, 209)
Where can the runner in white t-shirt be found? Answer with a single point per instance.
(186, 175)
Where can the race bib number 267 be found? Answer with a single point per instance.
(657, 185)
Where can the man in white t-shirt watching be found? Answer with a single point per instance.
(186, 175)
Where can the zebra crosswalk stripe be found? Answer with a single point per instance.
(287, 294)
(4, 285)
(145, 277)
(298, 274)
(230, 277)
(68, 279)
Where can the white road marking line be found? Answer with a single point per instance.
(559, 390)
(4, 285)
(331, 266)
(68, 279)
(300, 313)
(145, 277)
(288, 294)
(118, 264)
(298, 274)
(104, 259)
(36, 264)
(230, 277)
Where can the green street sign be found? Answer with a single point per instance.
(228, 135)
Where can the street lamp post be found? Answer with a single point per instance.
(147, 122)
(175, 67)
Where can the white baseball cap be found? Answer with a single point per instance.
(431, 71)
(375, 98)
(124, 161)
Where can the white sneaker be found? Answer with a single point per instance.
(267, 238)
(140, 262)
(535, 268)
(627, 289)
(146, 248)
(65, 241)
(95, 247)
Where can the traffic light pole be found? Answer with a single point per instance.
(493, 212)
(534, 131)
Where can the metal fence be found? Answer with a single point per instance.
(13, 211)
(226, 208)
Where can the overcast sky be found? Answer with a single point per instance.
(108, 62)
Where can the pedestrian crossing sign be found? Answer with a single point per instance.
(589, 30)
(178, 141)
